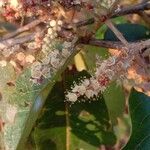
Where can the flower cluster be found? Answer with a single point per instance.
(113, 68)
(54, 50)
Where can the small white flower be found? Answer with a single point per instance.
(52, 23)
(45, 49)
(94, 84)
(65, 53)
(72, 97)
(60, 23)
(36, 74)
(55, 62)
(90, 94)
(50, 31)
(30, 59)
(79, 89)
(86, 82)
(46, 40)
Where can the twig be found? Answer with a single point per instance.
(117, 32)
(83, 40)
(22, 29)
(115, 45)
(14, 41)
(124, 11)
(128, 10)
(42, 97)
(145, 17)
(135, 9)
(20, 40)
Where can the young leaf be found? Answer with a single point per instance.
(139, 106)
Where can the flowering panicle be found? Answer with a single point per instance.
(113, 68)
(55, 52)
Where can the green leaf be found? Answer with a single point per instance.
(115, 101)
(89, 55)
(39, 102)
(82, 125)
(101, 31)
(13, 130)
(19, 96)
(25, 89)
(7, 75)
(132, 32)
(90, 52)
(139, 106)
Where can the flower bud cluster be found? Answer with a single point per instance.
(55, 52)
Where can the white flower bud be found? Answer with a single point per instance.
(90, 94)
(30, 59)
(52, 23)
(94, 84)
(79, 89)
(50, 31)
(72, 97)
(60, 23)
(86, 82)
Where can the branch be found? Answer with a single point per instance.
(42, 97)
(14, 41)
(10, 42)
(22, 29)
(135, 9)
(145, 17)
(128, 10)
(114, 45)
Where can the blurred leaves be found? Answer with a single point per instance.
(139, 106)
(6, 27)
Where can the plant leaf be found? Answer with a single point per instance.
(39, 101)
(139, 106)
(19, 96)
(115, 101)
(83, 125)
(131, 32)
